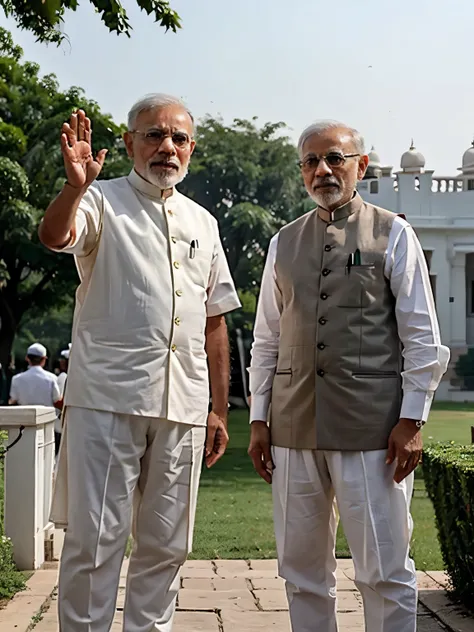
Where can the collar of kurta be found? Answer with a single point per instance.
(343, 211)
(150, 190)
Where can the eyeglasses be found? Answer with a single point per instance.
(154, 137)
(333, 159)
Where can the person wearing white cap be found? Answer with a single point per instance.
(62, 378)
(35, 387)
(149, 344)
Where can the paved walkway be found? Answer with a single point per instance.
(240, 596)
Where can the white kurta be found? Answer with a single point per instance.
(139, 324)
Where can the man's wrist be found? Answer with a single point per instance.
(419, 423)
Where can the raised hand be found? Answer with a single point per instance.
(81, 167)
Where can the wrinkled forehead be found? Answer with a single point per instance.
(337, 139)
(169, 117)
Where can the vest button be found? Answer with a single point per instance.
(327, 247)
(322, 321)
(321, 346)
(173, 239)
(323, 296)
(173, 347)
(176, 264)
(320, 373)
(177, 320)
(325, 272)
(179, 292)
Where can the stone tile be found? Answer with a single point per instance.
(232, 568)
(202, 564)
(345, 584)
(124, 569)
(351, 622)
(197, 583)
(216, 583)
(240, 600)
(440, 577)
(426, 582)
(121, 598)
(48, 623)
(272, 599)
(255, 622)
(198, 569)
(434, 600)
(261, 575)
(349, 602)
(260, 583)
(41, 584)
(264, 565)
(196, 622)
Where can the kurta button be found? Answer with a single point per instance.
(322, 321)
(170, 212)
(179, 292)
(173, 347)
(323, 296)
(173, 239)
(177, 320)
(321, 346)
(327, 247)
(325, 272)
(176, 264)
(320, 373)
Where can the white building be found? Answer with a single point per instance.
(441, 210)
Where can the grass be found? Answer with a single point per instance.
(234, 515)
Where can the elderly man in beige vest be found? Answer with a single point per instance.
(148, 326)
(346, 359)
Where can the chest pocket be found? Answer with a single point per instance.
(359, 284)
(199, 267)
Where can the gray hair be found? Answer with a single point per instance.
(152, 101)
(322, 126)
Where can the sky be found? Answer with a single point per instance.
(394, 70)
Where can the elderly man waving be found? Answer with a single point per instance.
(347, 351)
(149, 319)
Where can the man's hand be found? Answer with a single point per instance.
(217, 438)
(81, 168)
(405, 444)
(259, 450)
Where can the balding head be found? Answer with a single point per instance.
(332, 161)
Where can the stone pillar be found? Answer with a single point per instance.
(458, 296)
(440, 266)
(28, 481)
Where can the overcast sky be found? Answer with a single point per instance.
(395, 70)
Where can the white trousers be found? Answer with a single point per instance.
(113, 462)
(375, 515)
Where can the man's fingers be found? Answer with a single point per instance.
(390, 452)
(87, 130)
(259, 460)
(73, 124)
(211, 435)
(81, 125)
(66, 147)
(406, 467)
(221, 440)
(100, 158)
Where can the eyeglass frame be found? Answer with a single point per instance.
(344, 157)
(189, 139)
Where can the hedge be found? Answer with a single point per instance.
(449, 476)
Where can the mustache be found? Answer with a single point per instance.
(324, 182)
(165, 163)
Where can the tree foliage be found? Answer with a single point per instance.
(32, 110)
(45, 18)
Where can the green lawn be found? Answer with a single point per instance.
(234, 516)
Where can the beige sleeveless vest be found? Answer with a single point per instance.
(338, 383)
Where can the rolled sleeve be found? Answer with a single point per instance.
(425, 358)
(86, 226)
(56, 393)
(14, 393)
(221, 294)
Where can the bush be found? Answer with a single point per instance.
(11, 580)
(449, 476)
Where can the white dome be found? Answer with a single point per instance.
(412, 160)
(468, 159)
(374, 158)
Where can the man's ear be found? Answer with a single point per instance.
(362, 167)
(128, 140)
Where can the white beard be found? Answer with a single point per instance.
(165, 181)
(326, 200)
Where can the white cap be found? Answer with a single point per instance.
(66, 352)
(37, 349)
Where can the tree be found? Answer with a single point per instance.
(32, 109)
(44, 18)
(247, 177)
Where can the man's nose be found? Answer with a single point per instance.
(167, 146)
(323, 169)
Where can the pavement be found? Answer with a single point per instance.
(239, 596)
